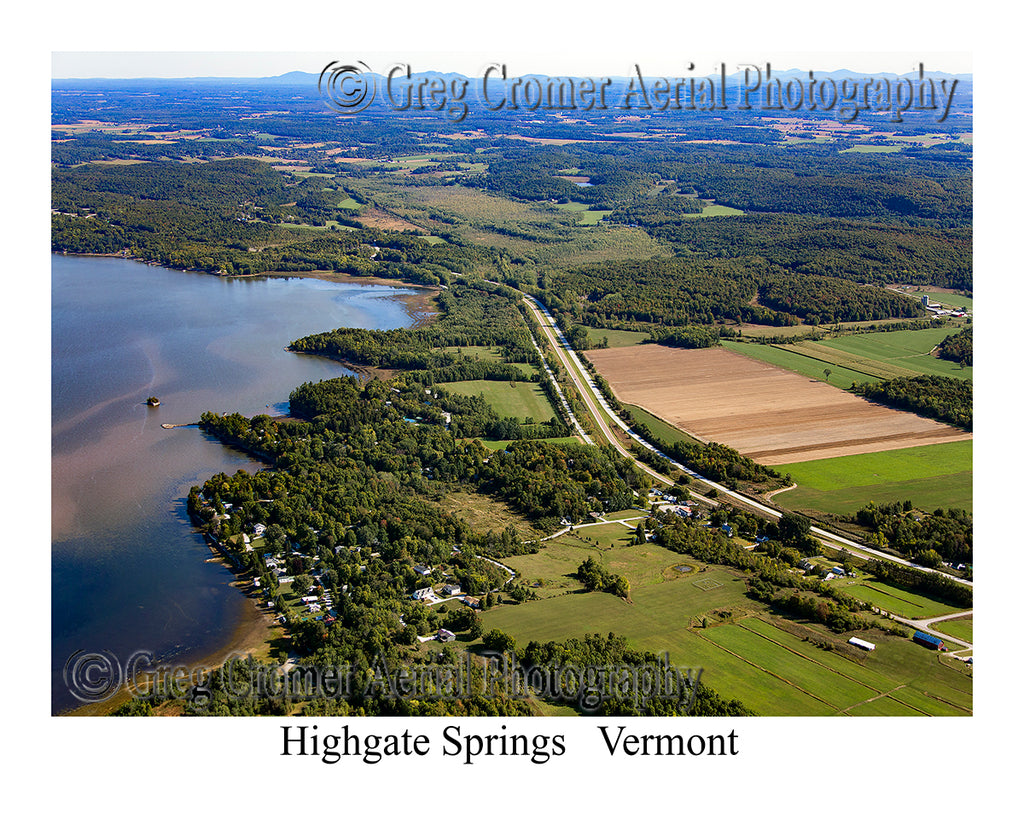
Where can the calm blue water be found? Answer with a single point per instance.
(128, 573)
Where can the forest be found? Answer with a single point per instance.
(936, 396)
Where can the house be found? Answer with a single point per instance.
(259, 529)
(450, 589)
(472, 602)
(422, 594)
(805, 564)
(423, 571)
(445, 636)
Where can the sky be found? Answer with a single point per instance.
(578, 62)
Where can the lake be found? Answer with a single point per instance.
(127, 571)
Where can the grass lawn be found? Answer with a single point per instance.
(524, 400)
(929, 476)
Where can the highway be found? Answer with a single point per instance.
(599, 408)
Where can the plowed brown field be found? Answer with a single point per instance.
(771, 415)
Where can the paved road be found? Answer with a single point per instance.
(926, 625)
(592, 398)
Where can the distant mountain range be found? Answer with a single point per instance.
(305, 79)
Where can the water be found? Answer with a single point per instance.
(128, 572)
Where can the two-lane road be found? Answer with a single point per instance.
(599, 409)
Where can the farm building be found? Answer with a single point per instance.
(864, 644)
(929, 641)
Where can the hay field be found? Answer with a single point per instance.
(768, 414)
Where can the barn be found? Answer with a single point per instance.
(929, 641)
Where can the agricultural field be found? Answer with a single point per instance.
(616, 338)
(897, 601)
(888, 355)
(786, 357)
(662, 430)
(522, 400)
(587, 217)
(715, 210)
(866, 357)
(766, 413)
(930, 477)
(958, 627)
(702, 617)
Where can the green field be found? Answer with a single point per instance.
(863, 357)
(789, 359)
(951, 300)
(898, 601)
(928, 476)
(767, 664)
(524, 400)
(616, 338)
(714, 210)
(906, 349)
(961, 627)
(490, 354)
(587, 216)
(661, 429)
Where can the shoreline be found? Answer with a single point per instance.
(256, 630)
(253, 635)
(419, 306)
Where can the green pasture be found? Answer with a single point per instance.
(616, 338)
(661, 429)
(789, 359)
(929, 476)
(765, 666)
(587, 216)
(524, 399)
(961, 628)
(490, 354)
(714, 210)
(898, 601)
(908, 349)
(950, 300)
